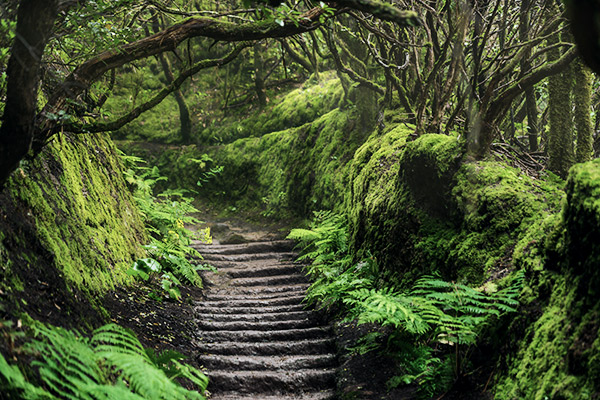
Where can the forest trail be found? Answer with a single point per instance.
(257, 339)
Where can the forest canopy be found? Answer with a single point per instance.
(476, 67)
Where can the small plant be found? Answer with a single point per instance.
(112, 364)
(166, 216)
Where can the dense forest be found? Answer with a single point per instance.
(351, 199)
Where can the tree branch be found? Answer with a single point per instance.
(174, 85)
(383, 11)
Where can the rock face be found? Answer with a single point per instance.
(257, 340)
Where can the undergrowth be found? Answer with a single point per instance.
(112, 364)
(165, 215)
(434, 324)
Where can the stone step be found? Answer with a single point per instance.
(271, 381)
(279, 348)
(269, 280)
(278, 301)
(245, 248)
(258, 294)
(202, 308)
(269, 270)
(224, 265)
(263, 317)
(255, 291)
(315, 332)
(254, 325)
(249, 257)
(321, 395)
(269, 363)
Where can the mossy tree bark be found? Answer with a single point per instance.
(560, 135)
(582, 96)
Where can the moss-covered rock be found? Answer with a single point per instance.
(558, 351)
(419, 209)
(69, 226)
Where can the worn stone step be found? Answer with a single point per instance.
(262, 317)
(320, 395)
(269, 280)
(271, 381)
(237, 363)
(269, 270)
(254, 291)
(202, 309)
(245, 248)
(280, 348)
(258, 294)
(315, 332)
(278, 301)
(254, 325)
(224, 265)
(249, 257)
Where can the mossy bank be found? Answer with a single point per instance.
(69, 230)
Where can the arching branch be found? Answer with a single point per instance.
(174, 85)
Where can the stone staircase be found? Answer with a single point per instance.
(257, 340)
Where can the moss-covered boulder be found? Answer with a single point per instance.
(582, 222)
(69, 228)
(420, 208)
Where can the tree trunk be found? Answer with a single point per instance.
(35, 19)
(530, 99)
(184, 113)
(560, 136)
(259, 76)
(582, 96)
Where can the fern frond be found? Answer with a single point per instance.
(113, 338)
(143, 378)
(303, 235)
(14, 385)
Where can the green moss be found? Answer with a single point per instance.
(298, 107)
(293, 171)
(82, 212)
(555, 360)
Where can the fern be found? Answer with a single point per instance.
(165, 215)
(433, 312)
(14, 385)
(111, 365)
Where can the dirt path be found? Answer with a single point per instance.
(257, 340)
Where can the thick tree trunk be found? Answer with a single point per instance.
(530, 99)
(560, 136)
(35, 19)
(184, 113)
(582, 96)
(185, 127)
